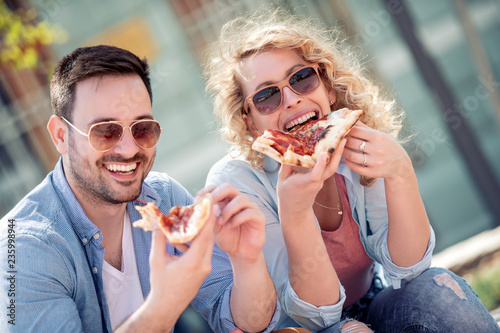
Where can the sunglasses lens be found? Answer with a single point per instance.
(304, 81)
(104, 136)
(146, 133)
(267, 100)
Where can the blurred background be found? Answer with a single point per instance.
(439, 59)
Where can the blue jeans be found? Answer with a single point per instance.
(435, 301)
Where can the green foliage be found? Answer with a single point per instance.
(486, 283)
(21, 36)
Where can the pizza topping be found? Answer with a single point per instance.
(177, 219)
(307, 137)
(300, 139)
(283, 142)
(181, 224)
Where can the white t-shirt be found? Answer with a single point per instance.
(123, 288)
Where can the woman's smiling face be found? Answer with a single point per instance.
(272, 67)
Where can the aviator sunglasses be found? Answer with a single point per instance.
(105, 135)
(268, 99)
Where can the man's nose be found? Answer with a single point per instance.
(127, 146)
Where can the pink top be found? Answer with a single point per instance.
(353, 266)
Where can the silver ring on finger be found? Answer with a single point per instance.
(364, 162)
(362, 147)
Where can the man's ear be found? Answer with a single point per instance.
(59, 133)
(251, 125)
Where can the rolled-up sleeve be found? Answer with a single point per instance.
(306, 314)
(213, 298)
(374, 228)
(309, 316)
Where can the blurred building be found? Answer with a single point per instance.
(439, 59)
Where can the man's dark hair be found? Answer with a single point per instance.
(88, 62)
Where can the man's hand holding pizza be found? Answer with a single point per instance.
(239, 231)
(175, 280)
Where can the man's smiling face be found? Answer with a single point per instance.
(114, 176)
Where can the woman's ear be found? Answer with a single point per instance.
(58, 131)
(251, 125)
(331, 97)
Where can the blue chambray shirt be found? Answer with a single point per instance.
(369, 209)
(59, 259)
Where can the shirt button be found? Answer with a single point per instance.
(94, 270)
(84, 241)
(96, 235)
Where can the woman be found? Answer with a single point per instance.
(331, 227)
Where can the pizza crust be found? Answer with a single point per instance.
(263, 145)
(337, 126)
(152, 216)
(340, 123)
(292, 158)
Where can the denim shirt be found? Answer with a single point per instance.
(369, 209)
(59, 258)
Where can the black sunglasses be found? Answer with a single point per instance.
(268, 99)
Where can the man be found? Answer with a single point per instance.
(78, 265)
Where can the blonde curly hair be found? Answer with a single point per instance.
(245, 37)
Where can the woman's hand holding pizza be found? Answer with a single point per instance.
(409, 228)
(375, 154)
(297, 187)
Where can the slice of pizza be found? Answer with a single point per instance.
(303, 144)
(181, 225)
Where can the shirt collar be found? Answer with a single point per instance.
(345, 171)
(84, 228)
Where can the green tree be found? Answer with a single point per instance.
(22, 36)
